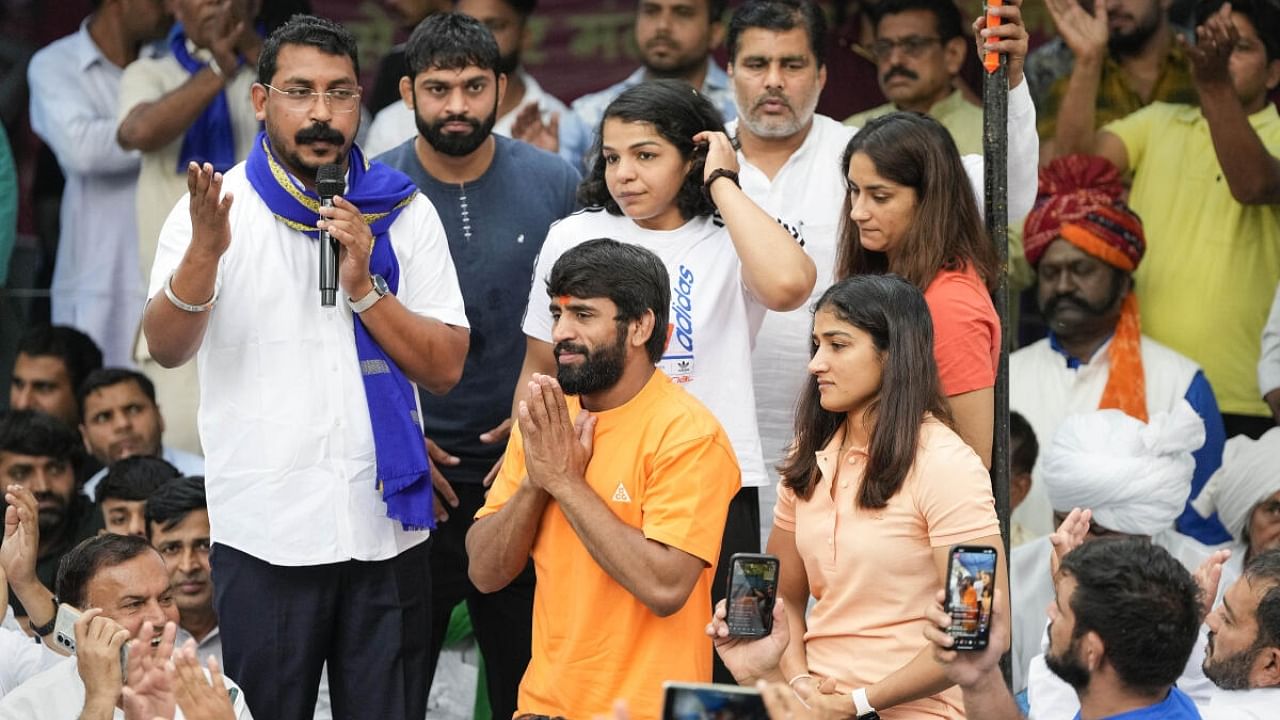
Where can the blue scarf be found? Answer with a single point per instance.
(211, 138)
(381, 193)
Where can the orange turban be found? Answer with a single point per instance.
(1081, 201)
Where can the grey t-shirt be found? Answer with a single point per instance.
(496, 226)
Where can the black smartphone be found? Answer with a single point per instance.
(971, 583)
(698, 701)
(749, 599)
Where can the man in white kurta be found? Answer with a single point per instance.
(74, 81)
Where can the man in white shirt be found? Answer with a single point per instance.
(119, 418)
(316, 468)
(74, 83)
(1243, 654)
(192, 103)
(119, 584)
(790, 160)
(508, 21)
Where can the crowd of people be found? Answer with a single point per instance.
(583, 353)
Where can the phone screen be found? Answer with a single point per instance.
(753, 586)
(971, 578)
(694, 701)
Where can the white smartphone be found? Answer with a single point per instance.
(64, 636)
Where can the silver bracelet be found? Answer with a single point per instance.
(188, 307)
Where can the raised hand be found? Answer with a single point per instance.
(148, 687)
(1208, 576)
(98, 643)
(199, 697)
(529, 127)
(210, 211)
(1085, 33)
(1069, 536)
(1211, 55)
(21, 544)
(720, 153)
(967, 668)
(1008, 38)
(556, 450)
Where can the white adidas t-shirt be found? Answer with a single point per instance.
(713, 318)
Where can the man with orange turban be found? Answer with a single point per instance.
(1084, 243)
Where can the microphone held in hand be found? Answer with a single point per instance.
(329, 182)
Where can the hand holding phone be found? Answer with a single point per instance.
(751, 593)
(971, 579)
(695, 701)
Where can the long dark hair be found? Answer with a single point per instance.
(915, 151)
(677, 112)
(893, 312)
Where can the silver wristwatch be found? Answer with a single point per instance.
(379, 290)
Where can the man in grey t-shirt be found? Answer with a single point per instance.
(496, 198)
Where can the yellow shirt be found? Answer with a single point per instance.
(1212, 264)
(960, 117)
(663, 464)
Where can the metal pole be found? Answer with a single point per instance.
(995, 149)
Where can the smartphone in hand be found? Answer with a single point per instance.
(696, 701)
(751, 594)
(971, 580)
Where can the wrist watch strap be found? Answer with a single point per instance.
(45, 629)
(862, 707)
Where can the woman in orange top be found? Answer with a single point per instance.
(876, 491)
(911, 211)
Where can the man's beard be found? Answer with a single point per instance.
(777, 127)
(1068, 666)
(50, 520)
(1231, 672)
(1135, 40)
(599, 370)
(293, 158)
(676, 66)
(456, 144)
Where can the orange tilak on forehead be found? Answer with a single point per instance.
(563, 300)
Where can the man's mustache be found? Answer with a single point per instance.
(897, 70)
(568, 347)
(319, 133)
(474, 123)
(1055, 302)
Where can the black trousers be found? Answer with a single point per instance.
(502, 621)
(741, 535)
(1253, 426)
(369, 620)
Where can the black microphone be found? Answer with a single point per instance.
(329, 182)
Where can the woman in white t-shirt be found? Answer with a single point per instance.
(663, 169)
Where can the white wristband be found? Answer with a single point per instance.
(181, 305)
(861, 706)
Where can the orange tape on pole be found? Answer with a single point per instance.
(991, 60)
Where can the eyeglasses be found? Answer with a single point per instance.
(300, 99)
(912, 46)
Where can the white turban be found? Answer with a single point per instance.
(1250, 473)
(1135, 477)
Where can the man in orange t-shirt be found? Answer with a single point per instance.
(619, 494)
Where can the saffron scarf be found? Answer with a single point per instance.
(381, 193)
(210, 139)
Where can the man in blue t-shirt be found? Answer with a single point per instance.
(1124, 620)
(496, 198)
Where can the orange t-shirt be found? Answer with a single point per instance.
(966, 331)
(872, 572)
(663, 464)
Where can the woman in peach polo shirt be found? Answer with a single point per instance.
(911, 211)
(877, 489)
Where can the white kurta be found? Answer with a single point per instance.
(289, 453)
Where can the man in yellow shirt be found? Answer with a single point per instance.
(920, 47)
(619, 492)
(1206, 182)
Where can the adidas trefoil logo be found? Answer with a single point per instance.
(620, 495)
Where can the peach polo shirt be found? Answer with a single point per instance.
(872, 571)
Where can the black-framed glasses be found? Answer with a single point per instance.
(912, 46)
(300, 99)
